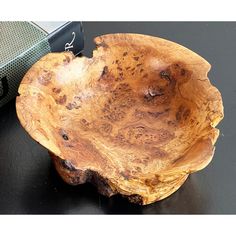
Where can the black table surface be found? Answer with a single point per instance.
(29, 183)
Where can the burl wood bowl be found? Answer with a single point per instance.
(135, 119)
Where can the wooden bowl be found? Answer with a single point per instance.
(135, 119)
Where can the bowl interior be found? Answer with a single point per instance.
(141, 105)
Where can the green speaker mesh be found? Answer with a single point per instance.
(21, 45)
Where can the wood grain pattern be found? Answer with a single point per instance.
(135, 119)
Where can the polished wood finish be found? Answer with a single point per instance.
(135, 119)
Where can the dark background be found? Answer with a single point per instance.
(29, 183)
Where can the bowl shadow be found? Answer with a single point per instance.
(50, 195)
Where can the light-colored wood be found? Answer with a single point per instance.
(136, 119)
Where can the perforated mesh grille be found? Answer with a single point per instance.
(21, 45)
